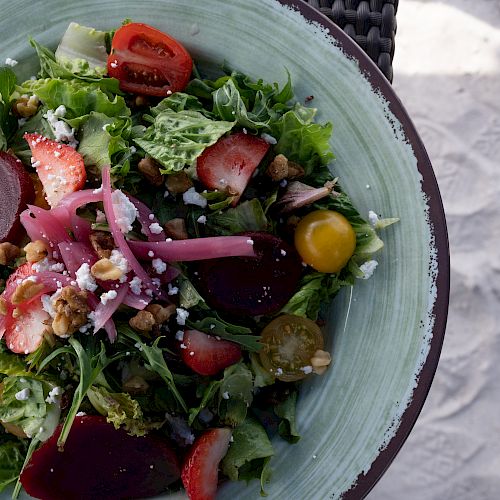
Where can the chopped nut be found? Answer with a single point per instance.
(36, 251)
(26, 290)
(142, 321)
(71, 311)
(105, 270)
(14, 429)
(26, 107)
(161, 314)
(3, 306)
(150, 169)
(8, 252)
(178, 183)
(281, 168)
(135, 385)
(176, 229)
(320, 361)
(103, 243)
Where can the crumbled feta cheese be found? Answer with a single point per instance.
(373, 218)
(202, 219)
(225, 395)
(182, 315)
(268, 138)
(155, 228)
(23, 395)
(283, 183)
(283, 252)
(179, 335)
(11, 62)
(48, 265)
(279, 371)
(100, 217)
(97, 190)
(172, 290)
(151, 254)
(159, 266)
(191, 197)
(307, 369)
(107, 296)
(118, 259)
(125, 211)
(368, 268)
(250, 242)
(81, 414)
(84, 279)
(62, 131)
(53, 397)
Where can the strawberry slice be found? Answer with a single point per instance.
(59, 167)
(208, 355)
(200, 470)
(228, 165)
(25, 333)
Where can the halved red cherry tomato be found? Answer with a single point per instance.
(288, 344)
(147, 61)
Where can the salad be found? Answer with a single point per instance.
(169, 244)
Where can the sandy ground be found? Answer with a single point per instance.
(447, 73)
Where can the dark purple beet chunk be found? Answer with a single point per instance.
(245, 286)
(17, 191)
(102, 463)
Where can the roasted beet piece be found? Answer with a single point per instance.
(100, 462)
(251, 286)
(17, 192)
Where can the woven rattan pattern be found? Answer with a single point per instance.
(371, 23)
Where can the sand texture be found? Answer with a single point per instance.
(447, 73)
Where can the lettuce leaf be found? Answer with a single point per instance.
(176, 139)
(119, 409)
(287, 427)
(247, 216)
(8, 122)
(249, 454)
(11, 461)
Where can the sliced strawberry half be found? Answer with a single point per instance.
(208, 355)
(230, 163)
(60, 167)
(200, 471)
(25, 333)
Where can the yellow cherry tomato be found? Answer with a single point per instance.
(288, 344)
(325, 240)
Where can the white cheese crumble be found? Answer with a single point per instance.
(118, 259)
(11, 62)
(155, 228)
(172, 290)
(307, 369)
(279, 371)
(54, 396)
(182, 315)
(125, 211)
(268, 138)
(179, 335)
(202, 219)
(368, 268)
(84, 278)
(225, 395)
(192, 197)
(373, 218)
(100, 217)
(107, 296)
(62, 131)
(159, 266)
(48, 265)
(23, 395)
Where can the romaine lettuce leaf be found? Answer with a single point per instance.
(247, 216)
(176, 139)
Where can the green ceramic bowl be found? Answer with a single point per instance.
(386, 335)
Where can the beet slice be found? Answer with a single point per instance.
(251, 286)
(100, 462)
(17, 192)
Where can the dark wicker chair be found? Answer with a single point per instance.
(371, 23)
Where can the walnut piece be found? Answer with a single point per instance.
(3, 306)
(178, 183)
(8, 252)
(26, 106)
(103, 243)
(281, 168)
(71, 311)
(176, 229)
(26, 290)
(150, 169)
(105, 270)
(161, 314)
(143, 321)
(36, 251)
(320, 361)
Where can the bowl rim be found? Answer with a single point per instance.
(365, 482)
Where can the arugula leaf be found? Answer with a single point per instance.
(247, 216)
(286, 411)
(208, 395)
(7, 121)
(79, 97)
(119, 409)
(11, 461)
(303, 141)
(315, 288)
(176, 139)
(235, 333)
(249, 453)
(235, 394)
(153, 355)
